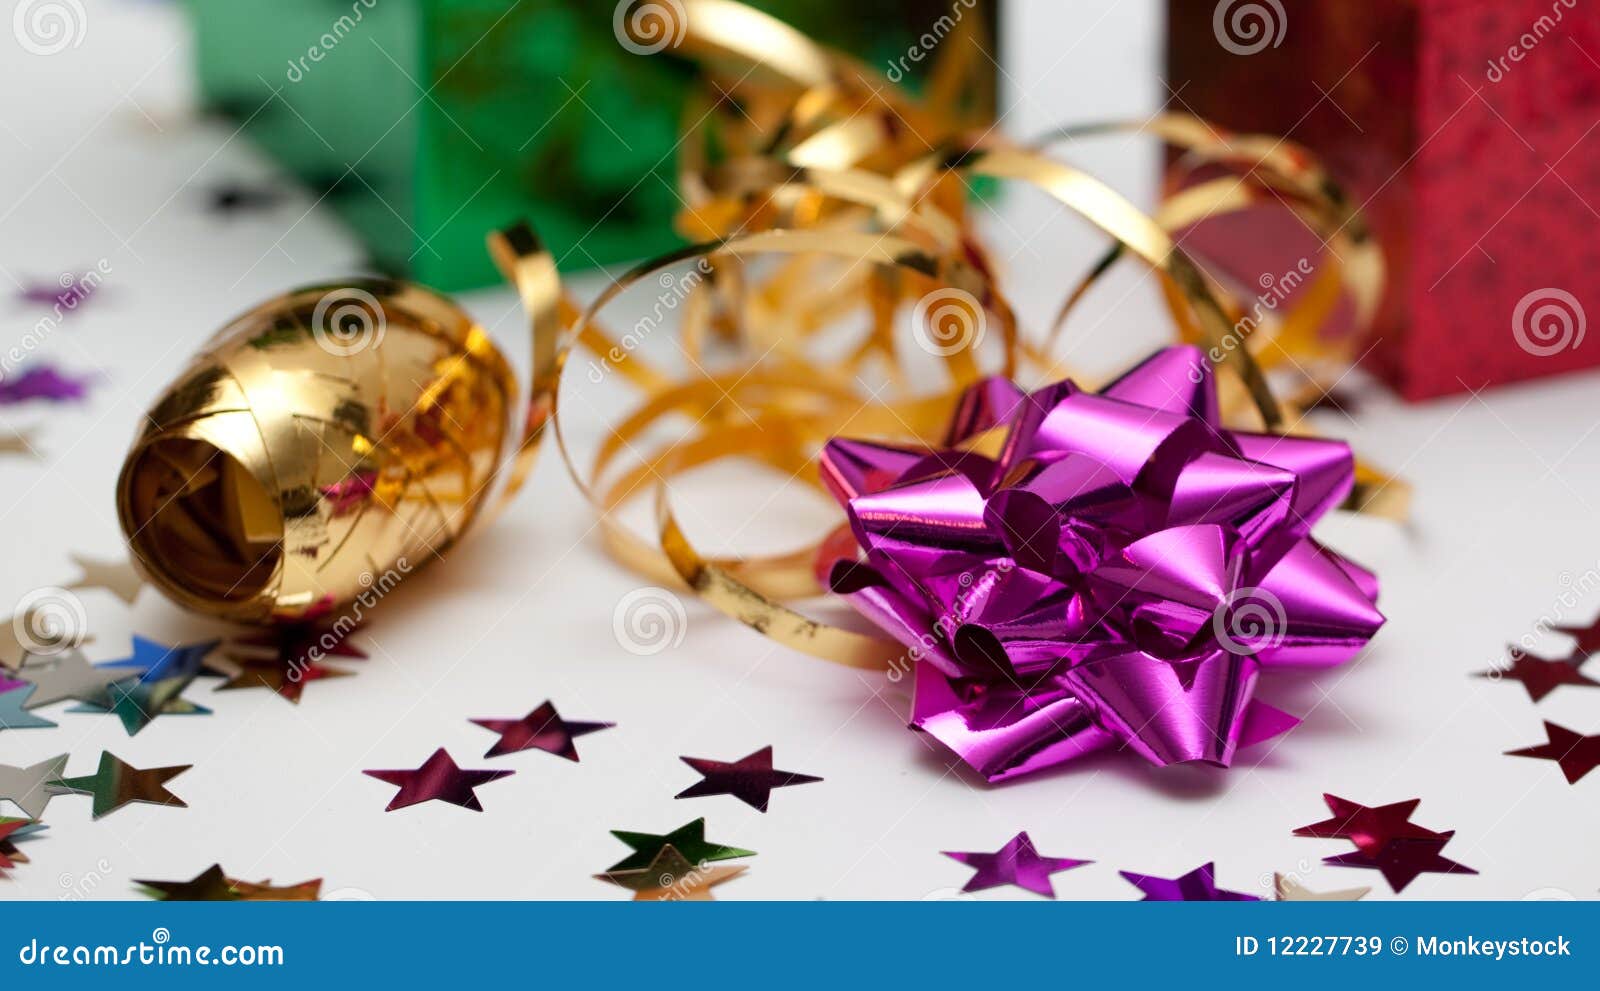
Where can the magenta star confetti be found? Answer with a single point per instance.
(42, 381)
(66, 293)
(1199, 885)
(1403, 861)
(1370, 829)
(1016, 863)
(1539, 675)
(750, 779)
(1576, 754)
(438, 779)
(541, 729)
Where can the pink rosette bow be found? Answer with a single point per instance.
(1120, 576)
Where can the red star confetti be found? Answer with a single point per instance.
(438, 779)
(750, 779)
(1588, 637)
(1403, 861)
(1576, 754)
(1016, 863)
(1370, 829)
(1539, 675)
(541, 729)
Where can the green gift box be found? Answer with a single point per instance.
(426, 123)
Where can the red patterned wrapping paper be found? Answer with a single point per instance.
(1470, 129)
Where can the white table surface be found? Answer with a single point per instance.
(100, 158)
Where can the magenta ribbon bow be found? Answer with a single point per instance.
(1120, 576)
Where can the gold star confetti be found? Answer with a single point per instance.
(670, 877)
(115, 784)
(1290, 890)
(117, 577)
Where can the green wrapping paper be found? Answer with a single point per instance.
(427, 122)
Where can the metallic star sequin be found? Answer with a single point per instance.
(541, 729)
(1403, 861)
(210, 885)
(1199, 885)
(1290, 890)
(750, 779)
(1539, 675)
(69, 675)
(1015, 863)
(1370, 829)
(117, 577)
(1575, 753)
(115, 784)
(158, 692)
(688, 839)
(28, 787)
(671, 877)
(438, 779)
(13, 714)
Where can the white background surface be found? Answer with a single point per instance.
(100, 158)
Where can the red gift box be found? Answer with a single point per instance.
(1470, 131)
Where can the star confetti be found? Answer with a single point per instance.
(1403, 861)
(158, 692)
(688, 839)
(69, 675)
(19, 442)
(285, 659)
(210, 885)
(541, 729)
(118, 577)
(263, 891)
(27, 787)
(1587, 637)
(439, 778)
(115, 784)
(1199, 885)
(750, 779)
(1370, 829)
(41, 381)
(671, 877)
(12, 710)
(69, 291)
(1015, 863)
(9, 857)
(1540, 676)
(1290, 890)
(1576, 754)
